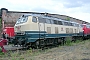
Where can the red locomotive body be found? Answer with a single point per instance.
(86, 29)
(9, 31)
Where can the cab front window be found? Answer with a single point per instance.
(22, 19)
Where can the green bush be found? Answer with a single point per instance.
(1, 53)
(68, 42)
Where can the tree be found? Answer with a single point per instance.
(68, 18)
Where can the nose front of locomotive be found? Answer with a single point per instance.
(20, 28)
(20, 36)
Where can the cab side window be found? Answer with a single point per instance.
(55, 21)
(48, 21)
(34, 19)
(60, 23)
(41, 20)
(66, 23)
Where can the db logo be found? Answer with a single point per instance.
(61, 29)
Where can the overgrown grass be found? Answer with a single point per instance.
(69, 42)
(21, 55)
(1, 53)
(30, 54)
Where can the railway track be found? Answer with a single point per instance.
(13, 48)
(21, 49)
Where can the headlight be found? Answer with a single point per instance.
(20, 33)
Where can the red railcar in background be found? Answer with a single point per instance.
(9, 31)
(86, 29)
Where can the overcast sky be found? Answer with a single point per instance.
(79, 9)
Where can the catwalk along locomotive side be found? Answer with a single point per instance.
(38, 30)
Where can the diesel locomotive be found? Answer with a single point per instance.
(39, 30)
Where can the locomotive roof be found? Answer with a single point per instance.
(49, 17)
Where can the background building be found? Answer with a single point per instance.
(9, 18)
